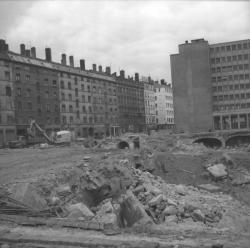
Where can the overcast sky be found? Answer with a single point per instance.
(137, 36)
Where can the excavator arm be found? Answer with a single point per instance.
(34, 125)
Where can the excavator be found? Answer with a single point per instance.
(58, 138)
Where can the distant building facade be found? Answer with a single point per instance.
(62, 96)
(7, 108)
(164, 105)
(149, 102)
(131, 103)
(211, 86)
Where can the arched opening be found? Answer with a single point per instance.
(123, 145)
(209, 142)
(239, 140)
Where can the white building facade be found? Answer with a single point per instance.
(164, 105)
(149, 103)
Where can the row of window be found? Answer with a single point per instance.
(9, 119)
(96, 100)
(84, 109)
(90, 119)
(28, 93)
(231, 97)
(28, 106)
(238, 57)
(230, 68)
(230, 87)
(230, 78)
(236, 106)
(232, 47)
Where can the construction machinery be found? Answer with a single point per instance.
(58, 138)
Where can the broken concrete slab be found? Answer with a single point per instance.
(132, 211)
(170, 210)
(209, 187)
(26, 194)
(155, 201)
(241, 179)
(171, 219)
(198, 215)
(218, 171)
(79, 209)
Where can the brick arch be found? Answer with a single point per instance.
(210, 141)
(238, 139)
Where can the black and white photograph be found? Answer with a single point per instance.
(124, 124)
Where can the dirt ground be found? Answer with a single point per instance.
(161, 155)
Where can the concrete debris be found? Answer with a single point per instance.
(209, 187)
(170, 219)
(79, 210)
(197, 215)
(170, 210)
(241, 179)
(26, 193)
(218, 171)
(155, 201)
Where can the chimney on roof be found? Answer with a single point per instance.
(108, 71)
(22, 49)
(64, 59)
(186, 42)
(71, 61)
(33, 52)
(94, 67)
(82, 64)
(2, 45)
(163, 82)
(149, 79)
(136, 77)
(122, 73)
(100, 68)
(27, 53)
(48, 54)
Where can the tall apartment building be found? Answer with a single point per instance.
(130, 103)
(7, 110)
(149, 102)
(164, 104)
(57, 95)
(211, 86)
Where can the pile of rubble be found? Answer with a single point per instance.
(119, 195)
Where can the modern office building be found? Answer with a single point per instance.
(149, 102)
(164, 104)
(211, 86)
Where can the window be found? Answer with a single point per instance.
(71, 119)
(64, 119)
(10, 119)
(239, 47)
(27, 77)
(19, 92)
(54, 83)
(46, 94)
(75, 80)
(70, 109)
(39, 112)
(234, 58)
(240, 67)
(29, 106)
(70, 97)
(246, 66)
(89, 99)
(18, 76)
(240, 57)
(245, 56)
(229, 58)
(246, 76)
(217, 60)
(77, 114)
(28, 93)
(47, 107)
(63, 108)
(63, 96)
(69, 85)
(90, 109)
(37, 86)
(62, 84)
(83, 109)
(76, 92)
(82, 87)
(7, 75)
(83, 98)
(236, 86)
(228, 48)
(233, 47)
(88, 87)
(77, 103)
(56, 108)
(8, 91)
